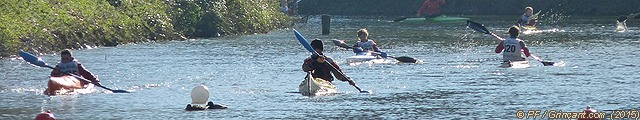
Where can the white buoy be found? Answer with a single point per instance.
(199, 95)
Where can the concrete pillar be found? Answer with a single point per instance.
(326, 24)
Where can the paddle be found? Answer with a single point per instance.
(307, 46)
(480, 28)
(624, 18)
(404, 59)
(535, 16)
(39, 62)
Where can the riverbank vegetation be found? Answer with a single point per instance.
(46, 26)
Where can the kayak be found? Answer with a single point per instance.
(316, 86)
(515, 64)
(366, 57)
(67, 85)
(528, 27)
(437, 19)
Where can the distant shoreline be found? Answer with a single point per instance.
(470, 7)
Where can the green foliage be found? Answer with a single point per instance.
(50, 25)
(207, 18)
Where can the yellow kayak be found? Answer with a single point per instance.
(316, 86)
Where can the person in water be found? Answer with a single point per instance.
(525, 19)
(319, 65)
(512, 47)
(365, 44)
(434, 8)
(70, 65)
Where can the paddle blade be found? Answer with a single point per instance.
(120, 91)
(340, 43)
(622, 18)
(32, 59)
(406, 59)
(534, 16)
(304, 42)
(477, 27)
(364, 91)
(545, 63)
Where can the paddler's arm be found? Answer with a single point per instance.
(306, 66)
(500, 47)
(521, 22)
(525, 49)
(55, 72)
(375, 47)
(87, 75)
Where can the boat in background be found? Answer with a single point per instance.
(316, 86)
(67, 85)
(438, 19)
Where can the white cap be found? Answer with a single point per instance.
(199, 95)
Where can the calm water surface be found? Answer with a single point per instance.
(256, 74)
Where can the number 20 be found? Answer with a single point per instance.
(510, 48)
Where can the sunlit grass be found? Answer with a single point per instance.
(46, 26)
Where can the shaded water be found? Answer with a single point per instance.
(255, 74)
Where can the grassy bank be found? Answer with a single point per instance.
(47, 26)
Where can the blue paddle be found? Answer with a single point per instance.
(307, 46)
(39, 62)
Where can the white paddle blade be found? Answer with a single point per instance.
(199, 95)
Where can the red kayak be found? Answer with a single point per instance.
(66, 85)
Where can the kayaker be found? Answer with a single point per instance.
(47, 115)
(513, 47)
(589, 114)
(524, 19)
(365, 44)
(434, 8)
(318, 66)
(68, 64)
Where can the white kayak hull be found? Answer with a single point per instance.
(316, 86)
(367, 58)
(515, 64)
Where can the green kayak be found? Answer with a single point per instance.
(438, 19)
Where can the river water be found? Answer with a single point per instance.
(257, 75)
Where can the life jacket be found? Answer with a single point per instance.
(367, 45)
(524, 20)
(69, 67)
(322, 70)
(512, 50)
